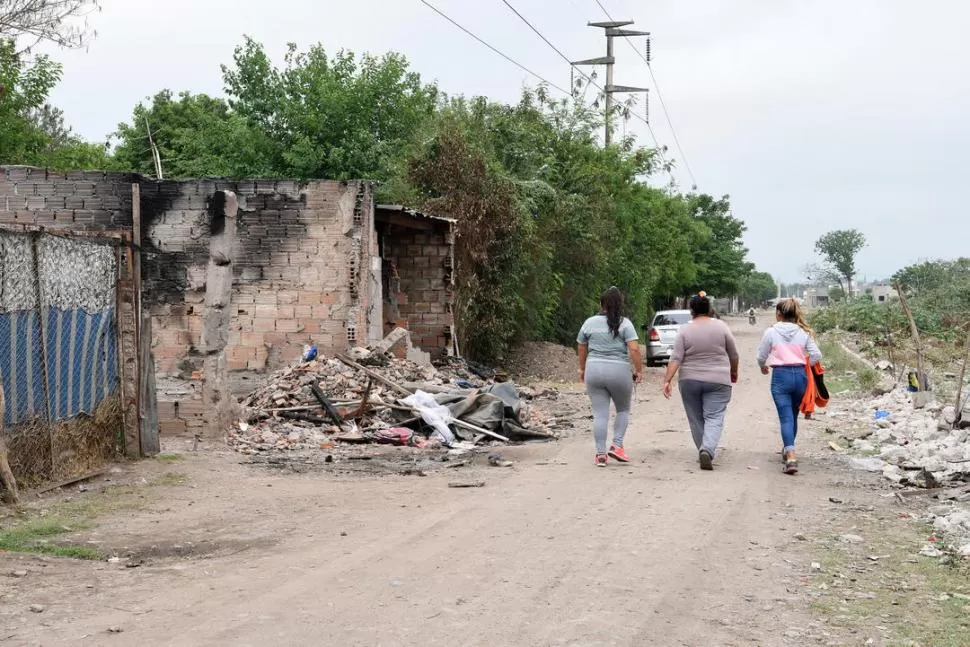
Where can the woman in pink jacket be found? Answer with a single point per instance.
(783, 351)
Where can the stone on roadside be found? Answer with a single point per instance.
(871, 464)
(851, 539)
(949, 415)
(38, 608)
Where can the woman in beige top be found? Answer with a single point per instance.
(706, 356)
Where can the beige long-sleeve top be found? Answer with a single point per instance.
(704, 349)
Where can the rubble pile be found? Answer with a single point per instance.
(913, 441)
(372, 397)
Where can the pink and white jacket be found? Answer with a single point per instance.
(786, 344)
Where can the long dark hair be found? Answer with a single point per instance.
(700, 305)
(612, 305)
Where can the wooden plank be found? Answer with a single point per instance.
(480, 430)
(71, 481)
(920, 372)
(327, 405)
(373, 374)
(11, 494)
(147, 396)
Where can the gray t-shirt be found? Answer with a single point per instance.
(596, 334)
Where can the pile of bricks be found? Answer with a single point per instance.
(287, 413)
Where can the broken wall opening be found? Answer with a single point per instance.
(417, 257)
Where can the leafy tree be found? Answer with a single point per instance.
(839, 250)
(196, 136)
(47, 20)
(337, 117)
(23, 95)
(31, 130)
(929, 276)
(721, 259)
(758, 287)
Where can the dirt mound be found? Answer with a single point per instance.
(543, 361)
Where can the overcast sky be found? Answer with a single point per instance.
(812, 115)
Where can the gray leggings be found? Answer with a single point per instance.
(606, 382)
(705, 404)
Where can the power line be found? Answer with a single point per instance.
(494, 49)
(663, 105)
(659, 148)
(588, 78)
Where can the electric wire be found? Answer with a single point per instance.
(492, 47)
(663, 105)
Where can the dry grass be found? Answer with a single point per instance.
(40, 452)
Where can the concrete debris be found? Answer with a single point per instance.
(368, 397)
(912, 442)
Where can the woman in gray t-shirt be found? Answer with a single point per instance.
(607, 345)
(706, 355)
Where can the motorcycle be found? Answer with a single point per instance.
(752, 319)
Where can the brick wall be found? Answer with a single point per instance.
(292, 270)
(82, 200)
(307, 268)
(418, 276)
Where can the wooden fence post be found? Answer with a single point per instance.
(920, 373)
(11, 494)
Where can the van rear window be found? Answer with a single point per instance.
(671, 319)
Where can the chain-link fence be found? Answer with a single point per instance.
(58, 354)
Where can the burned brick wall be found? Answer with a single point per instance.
(419, 287)
(296, 274)
(304, 270)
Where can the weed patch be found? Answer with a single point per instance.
(34, 536)
(844, 372)
(881, 589)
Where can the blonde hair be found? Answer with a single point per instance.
(790, 311)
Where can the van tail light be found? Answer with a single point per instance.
(654, 335)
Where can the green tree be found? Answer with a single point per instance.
(337, 117)
(757, 288)
(196, 136)
(31, 130)
(929, 276)
(839, 250)
(721, 259)
(23, 95)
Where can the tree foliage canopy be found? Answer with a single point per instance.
(31, 130)
(839, 250)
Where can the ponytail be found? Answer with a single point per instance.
(791, 312)
(612, 304)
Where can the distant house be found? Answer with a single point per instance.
(816, 297)
(883, 293)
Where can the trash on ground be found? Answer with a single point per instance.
(369, 397)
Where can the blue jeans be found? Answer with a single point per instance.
(788, 384)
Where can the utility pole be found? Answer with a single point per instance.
(612, 30)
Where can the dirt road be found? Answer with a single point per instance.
(550, 552)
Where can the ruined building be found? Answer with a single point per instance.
(311, 263)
